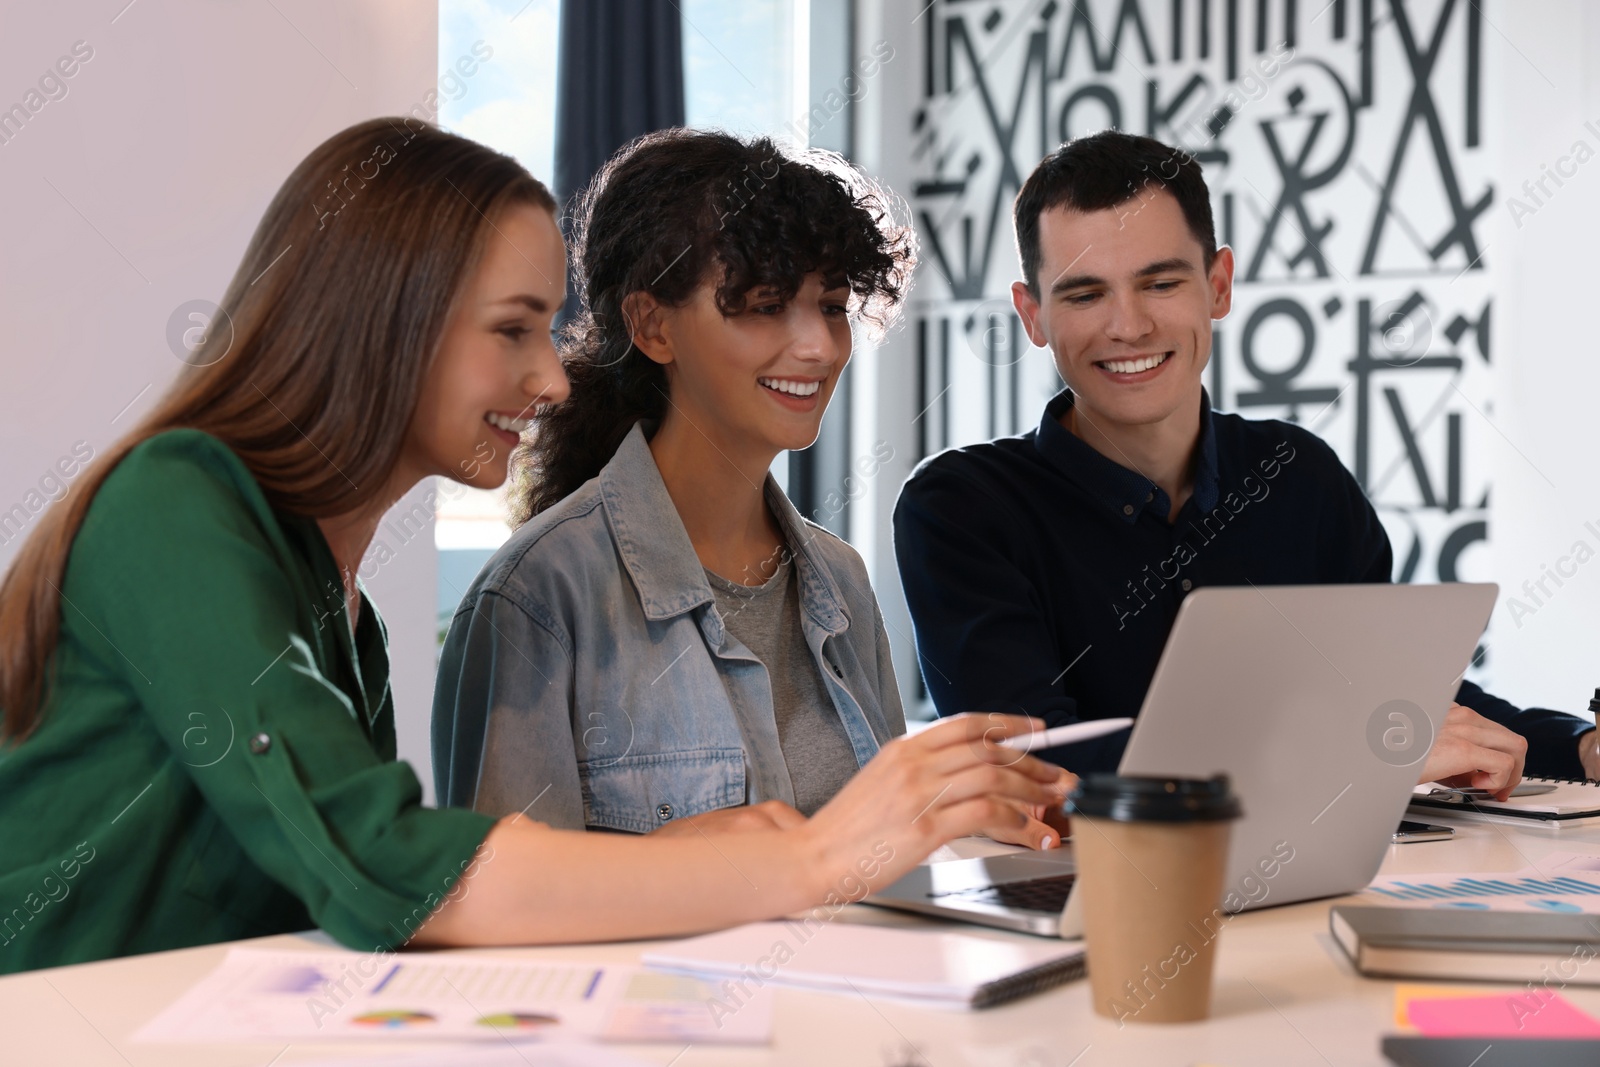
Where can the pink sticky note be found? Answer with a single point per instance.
(1537, 1013)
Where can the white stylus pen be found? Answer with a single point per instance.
(1065, 735)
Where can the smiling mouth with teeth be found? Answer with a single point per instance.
(1134, 366)
(507, 423)
(792, 388)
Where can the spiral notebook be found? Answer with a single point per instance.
(1564, 801)
(934, 968)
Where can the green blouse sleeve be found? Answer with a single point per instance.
(193, 594)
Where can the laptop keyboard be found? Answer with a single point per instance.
(1035, 894)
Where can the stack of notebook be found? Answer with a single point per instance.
(1464, 944)
(1555, 801)
(934, 968)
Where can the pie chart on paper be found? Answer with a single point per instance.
(394, 1020)
(519, 1020)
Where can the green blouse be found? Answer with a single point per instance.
(217, 756)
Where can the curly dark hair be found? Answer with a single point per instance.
(682, 208)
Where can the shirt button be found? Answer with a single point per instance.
(664, 812)
(837, 672)
(1187, 585)
(1149, 497)
(260, 743)
(1127, 509)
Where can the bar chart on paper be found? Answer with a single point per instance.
(1571, 893)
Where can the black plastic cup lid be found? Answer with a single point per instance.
(1131, 799)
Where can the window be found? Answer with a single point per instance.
(510, 105)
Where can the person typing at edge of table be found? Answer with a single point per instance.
(1044, 571)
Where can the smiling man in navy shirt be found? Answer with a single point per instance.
(1044, 571)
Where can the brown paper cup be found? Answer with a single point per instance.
(1150, 916)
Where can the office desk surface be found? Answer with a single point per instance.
(1284, 995)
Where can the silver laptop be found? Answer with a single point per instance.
(1320, 702)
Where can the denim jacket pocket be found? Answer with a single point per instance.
(643, 792)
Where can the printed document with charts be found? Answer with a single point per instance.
(265, 994)
(1563, 883)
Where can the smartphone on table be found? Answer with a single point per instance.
(1408, 832)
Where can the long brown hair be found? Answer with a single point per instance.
(672, 211)
(335, 312)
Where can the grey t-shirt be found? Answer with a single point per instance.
(766, 618)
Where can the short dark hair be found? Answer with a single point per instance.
(1102, 171)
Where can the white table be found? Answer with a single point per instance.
(1284, 995)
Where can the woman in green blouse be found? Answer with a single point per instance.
(199, 737)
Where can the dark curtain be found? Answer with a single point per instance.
(620, 76)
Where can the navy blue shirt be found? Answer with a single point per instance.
(1043, 578)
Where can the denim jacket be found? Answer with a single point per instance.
(589, 681)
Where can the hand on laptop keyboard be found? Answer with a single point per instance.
(1047, 826)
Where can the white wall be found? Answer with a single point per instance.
(137, 191)
(1548, 461)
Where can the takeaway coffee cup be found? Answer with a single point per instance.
(1151, 854)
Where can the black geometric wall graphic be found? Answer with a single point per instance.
(1344, 146)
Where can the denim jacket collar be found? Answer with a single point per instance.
(662, 562)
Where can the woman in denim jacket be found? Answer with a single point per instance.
(665, 637)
